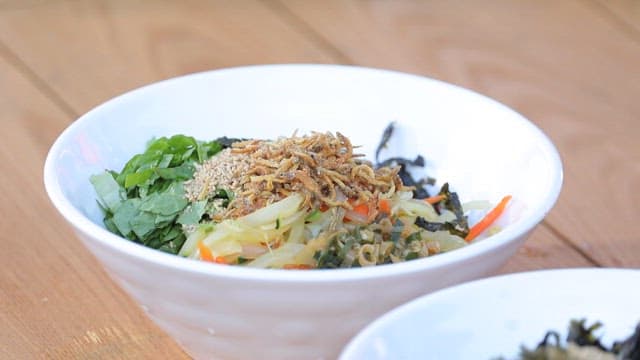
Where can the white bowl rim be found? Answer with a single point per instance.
(360, 340)
(120, 244)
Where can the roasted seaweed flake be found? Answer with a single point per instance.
(582, 339)
(419, 192)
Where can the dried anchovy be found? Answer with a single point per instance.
(318, 166)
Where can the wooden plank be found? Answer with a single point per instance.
(89, 51)
(624, 13)
(544, 250)
(55, 300)
(560, 63)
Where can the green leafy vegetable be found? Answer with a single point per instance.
(334, 255)
(193, 213)
(225, 195)
(396, 231)
(241, 260)
(413, 237)
(145, 201)
(412, 256)
(167, 202)
(110, 192)
(313, 216)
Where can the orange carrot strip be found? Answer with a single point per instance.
(205, 252)
(435, 199)
(296, 266)
(385, 206)
(220, 260)
(361, 209)
(488, 219)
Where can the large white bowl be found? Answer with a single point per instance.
(489, 318)
(484, 149)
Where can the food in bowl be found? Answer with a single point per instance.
(299, 202)
(583, 343)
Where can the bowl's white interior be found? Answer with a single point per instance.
(482, 148)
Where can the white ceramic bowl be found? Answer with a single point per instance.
(484, 149)
(493, 317)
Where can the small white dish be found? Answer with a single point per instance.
(489, 318)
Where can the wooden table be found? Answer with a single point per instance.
(571, 66)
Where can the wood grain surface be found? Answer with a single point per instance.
(570, 66)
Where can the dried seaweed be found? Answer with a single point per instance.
(459, 226)
(581, 335)
(386, 136)
(628, 349)
(226, 142)
(451, 227)
(452, 203)
(419, 192)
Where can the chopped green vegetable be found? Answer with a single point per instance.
(412, 256)
(396, 231)
(167, 202)
(333, 256)
(413, 237)
(145, 202)
(110, 192)
(313, 216)
(225, 195)
(193, 213)
(123, 214)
